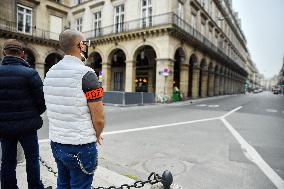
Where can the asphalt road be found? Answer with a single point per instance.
(200, 154)
(192, 141)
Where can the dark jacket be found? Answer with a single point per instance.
(21, 98)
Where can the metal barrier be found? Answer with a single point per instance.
(128, 98)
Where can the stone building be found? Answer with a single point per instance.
(139, 45)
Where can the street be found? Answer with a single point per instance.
(193, 141)
(204, 154)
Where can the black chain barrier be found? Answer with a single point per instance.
(166, 179)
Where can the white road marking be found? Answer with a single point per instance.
(201, 105)
(158, 126)
(213, 106)
(271, 110)
(254, 156)
(230, 112)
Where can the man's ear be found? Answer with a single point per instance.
(22, 54)
(4, 53)
(82, 46)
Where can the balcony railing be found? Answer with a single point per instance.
(34, 32)
(160, 20)
(132, 25)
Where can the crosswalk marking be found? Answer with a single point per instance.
(210, 106)
(271, 110)
(213, 106)
(201, 105)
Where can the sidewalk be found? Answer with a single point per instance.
(109, 108)
(103, 177)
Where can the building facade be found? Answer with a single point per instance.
(32, 22)
(280, 78)
(139, 45)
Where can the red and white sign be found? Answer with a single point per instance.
(166, 72)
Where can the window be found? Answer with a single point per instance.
(24, 19)
(216, 39)
(79, 24)
(206, 5)
(118, 81)
(119, 18)
(76, 2)
(220, 43)
(97, 23)
(55, 27)
(193, 21)
(203, 29)
(180, 13)
(147, 12)
(210, 35)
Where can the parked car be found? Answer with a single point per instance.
(257, 90)
(276, 90)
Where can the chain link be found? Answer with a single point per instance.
(49, 169)
(82, 167)
(152, 179)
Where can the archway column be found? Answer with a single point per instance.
(164, 84)
(204, 82)
(106, 70)
(216, 84)
(130, 76)
(184, 79)
(235, 86)
(222, 81)
(211, 82)
(151, 83)
(195, 81)
(40, 69)
(240, 87)
(232, 86)
(225, 85)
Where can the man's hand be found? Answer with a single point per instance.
(99, 140)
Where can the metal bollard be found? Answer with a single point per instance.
(20, 154)
(167, 179)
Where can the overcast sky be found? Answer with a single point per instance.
(263, 25)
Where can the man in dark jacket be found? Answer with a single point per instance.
(21, 104)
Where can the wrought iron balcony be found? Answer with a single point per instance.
(170, 20)
(14, 28)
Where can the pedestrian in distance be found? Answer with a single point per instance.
(21, 104)
(75, 112)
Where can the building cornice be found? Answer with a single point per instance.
(31, 38)
(124, 36)
(57, 9)
(78, 11)
(97, 4)
(29, 3)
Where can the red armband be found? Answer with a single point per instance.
(94, 94)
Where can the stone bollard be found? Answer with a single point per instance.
(20, 154)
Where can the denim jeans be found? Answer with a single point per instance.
(68, 158)
(9, 161)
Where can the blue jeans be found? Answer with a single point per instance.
(70, 174)
(9, 161)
